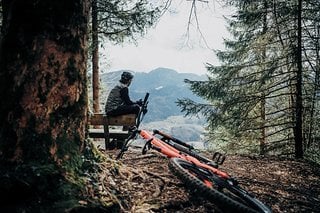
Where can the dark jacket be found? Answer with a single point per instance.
(118, 96)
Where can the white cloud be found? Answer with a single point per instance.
(166, 45)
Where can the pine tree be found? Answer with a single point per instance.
(257, 92)
(311, 33)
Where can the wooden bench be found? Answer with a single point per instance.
(102, 126)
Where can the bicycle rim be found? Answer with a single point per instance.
(204, 183)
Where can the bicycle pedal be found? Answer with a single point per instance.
(218, 158)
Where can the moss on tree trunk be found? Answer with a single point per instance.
(44, 103)
(43, 80)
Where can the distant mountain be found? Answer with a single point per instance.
(165, 86)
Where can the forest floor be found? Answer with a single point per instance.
(145, 184)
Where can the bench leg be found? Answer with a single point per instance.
(106, 136)
(119, 144)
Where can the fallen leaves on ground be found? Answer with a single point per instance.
(144, 183)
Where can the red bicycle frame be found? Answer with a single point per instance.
(171, 152)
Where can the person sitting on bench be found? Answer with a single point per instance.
(118, 101)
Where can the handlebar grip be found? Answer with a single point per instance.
(146, 97)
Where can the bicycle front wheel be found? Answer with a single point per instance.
(224, 194)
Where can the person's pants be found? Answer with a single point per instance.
(125, 109)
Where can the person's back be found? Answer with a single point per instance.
(119, 102)
(114, 99)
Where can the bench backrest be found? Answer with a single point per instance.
(97, 119)
(122, 120)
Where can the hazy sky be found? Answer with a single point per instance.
(167, 44)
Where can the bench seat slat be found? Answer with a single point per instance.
(128, 120)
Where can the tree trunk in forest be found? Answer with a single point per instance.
(298, 118)
(43, 95)
(263, 122)
(311, 135)
(95, 58)
(263, 95)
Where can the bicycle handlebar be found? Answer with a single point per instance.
(146, 97)
(143, 109)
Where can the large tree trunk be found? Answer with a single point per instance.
(43, 79)
(42, 88)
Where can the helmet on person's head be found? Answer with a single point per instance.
(126, 77)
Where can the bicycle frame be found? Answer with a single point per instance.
(171, 152)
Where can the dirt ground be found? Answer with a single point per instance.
(145, 184)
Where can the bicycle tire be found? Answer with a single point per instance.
(195, 178)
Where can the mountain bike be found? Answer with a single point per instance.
(200, 174)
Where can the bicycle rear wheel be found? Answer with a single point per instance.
(224, 194)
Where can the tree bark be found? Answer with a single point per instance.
(43, 92)
(43, 79)
(263, 84)
(298, 118)
(95, 58)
